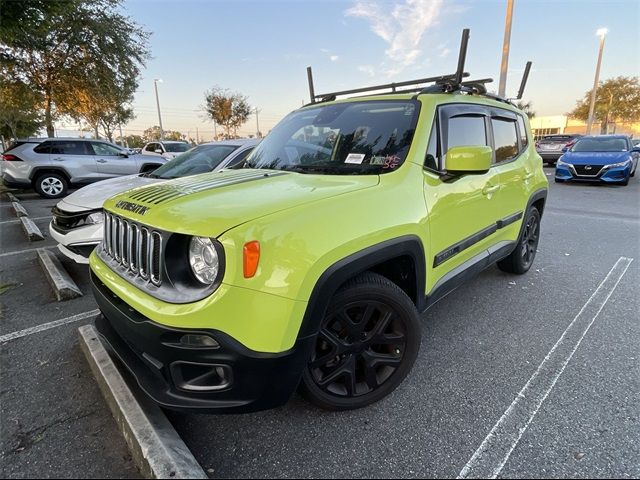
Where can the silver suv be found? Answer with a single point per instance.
(52, 165)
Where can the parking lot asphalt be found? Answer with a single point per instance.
(481, 345)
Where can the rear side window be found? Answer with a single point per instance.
(524, 139)
(43, 147)
(69, 148)
(465, 131)
(505, 138)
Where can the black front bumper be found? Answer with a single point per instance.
(233, 379)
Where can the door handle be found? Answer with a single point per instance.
(489, 189)
(102, 160)
(528, 176)
(59, 159)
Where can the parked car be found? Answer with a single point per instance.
(50, 166)
(165, 149)
(224, 292)
(602, 158)
(78, 220)
(550, 147)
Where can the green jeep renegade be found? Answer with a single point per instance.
(310, 266)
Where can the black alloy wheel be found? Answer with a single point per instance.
(367, 344)
(522, 257)
(530, 239)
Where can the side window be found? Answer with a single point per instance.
(466, 131)
(43, 147)
(151, 147)
(524, 139)
(240, 158)
(69, 148)
(431, 162)
(505, 138)
(105, 149)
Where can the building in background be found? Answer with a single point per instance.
(556, 124)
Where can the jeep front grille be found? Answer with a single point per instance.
(134, 247)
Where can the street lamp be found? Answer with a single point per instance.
(155, 84)
(602, 33)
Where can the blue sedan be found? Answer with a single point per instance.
(603, 158)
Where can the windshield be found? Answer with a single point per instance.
(176, 147)
(600, 145)
(201, 159)
(356, 138)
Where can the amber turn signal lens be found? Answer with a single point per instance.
(251, 258)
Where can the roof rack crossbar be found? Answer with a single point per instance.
(525, 77)
(393, 86)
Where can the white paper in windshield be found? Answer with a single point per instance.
(356, 158)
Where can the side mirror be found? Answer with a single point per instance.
(635, 150)
(159, 151)
(565, 149)
(124, 154)
(472, 159)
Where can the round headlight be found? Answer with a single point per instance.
(204, 260)
(95, 218)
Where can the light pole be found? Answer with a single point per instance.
(506, 45)
(155, 84)
(602, 33)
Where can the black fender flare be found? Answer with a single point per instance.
(355, 264)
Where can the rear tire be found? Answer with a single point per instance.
(51, 185)
(520, 260)
(368, 342)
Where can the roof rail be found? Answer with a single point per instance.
(441, 84)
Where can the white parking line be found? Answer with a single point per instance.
(494, 452)
(18, 220)
(17, 252)
(48, 326)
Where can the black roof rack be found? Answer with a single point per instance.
(451, 83)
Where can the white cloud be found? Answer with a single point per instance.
(334, 58)
(445, 52)
(367, 69)
(401, 25)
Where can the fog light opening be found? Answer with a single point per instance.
(198, 341)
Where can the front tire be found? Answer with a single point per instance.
(520, 260)
(368, 342)
(51, 185)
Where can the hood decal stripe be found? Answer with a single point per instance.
(157, 194)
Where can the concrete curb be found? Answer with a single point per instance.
(19, 209)
(64, 288)
(12, 198)
(31, 229)
(157, 449)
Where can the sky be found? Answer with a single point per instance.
(261, 49)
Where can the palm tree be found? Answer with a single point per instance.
(526, 108)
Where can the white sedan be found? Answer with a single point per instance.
(78, 219)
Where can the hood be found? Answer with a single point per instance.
(93, 196)
(212, 203)
(595, 158)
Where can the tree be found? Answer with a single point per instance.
(228, 109)
(617, 100)
(526, 108)
(19, 116)
(133, 141)
(68, 44)
(152, 134)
